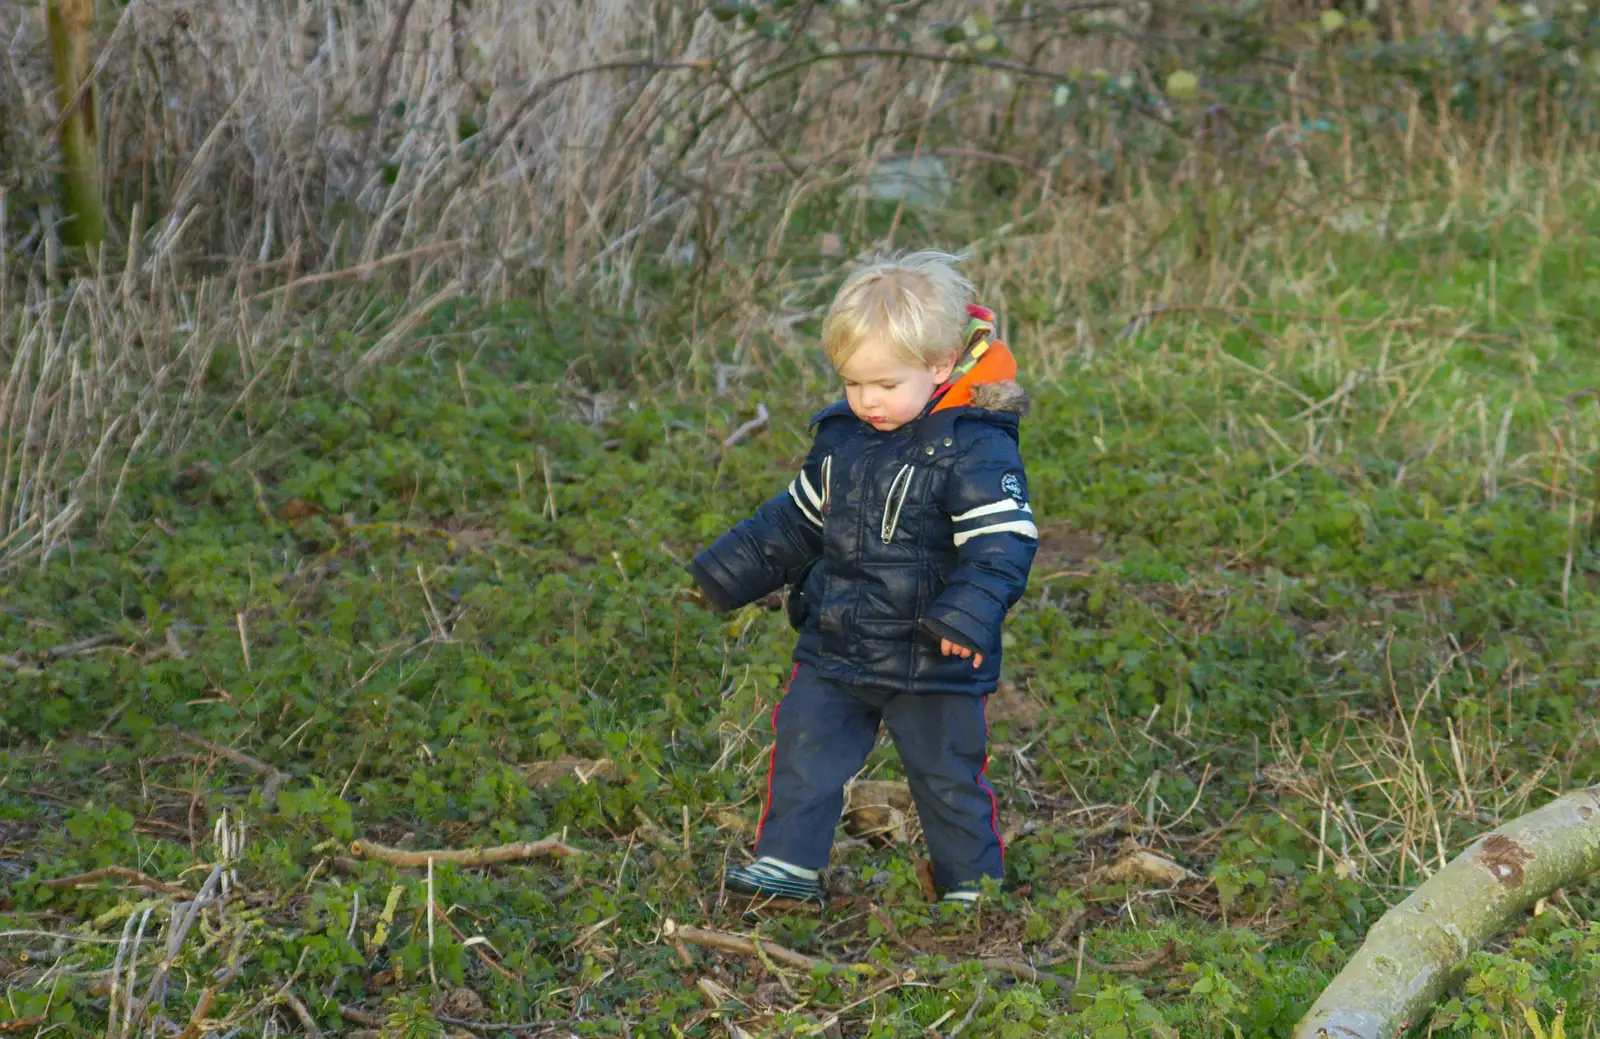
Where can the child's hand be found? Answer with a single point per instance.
(955, 649)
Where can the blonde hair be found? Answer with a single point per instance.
(914, 302)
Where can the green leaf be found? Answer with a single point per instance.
(1332, 21)
(1182, 85)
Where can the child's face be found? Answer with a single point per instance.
(886, 391)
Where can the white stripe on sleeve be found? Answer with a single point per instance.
(1003, 505)
(800, 503)
(1023, 527)
(805, 485)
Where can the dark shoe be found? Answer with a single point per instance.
(771, 878)
(963, 896)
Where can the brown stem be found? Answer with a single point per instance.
(894, 932)
(275, 777)
(545, 87)
(738, 944)
(743, 946)
(360, 1017)
(20, 1024)
(1167, 954)
(483, 956)
(463, 856)
(196, 1024)
(1026, 971)
(755, 425)
(132, 876)
(300, 1011)
(381, 93)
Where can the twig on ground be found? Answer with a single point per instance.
(476, 946)
(743, 946)
(276, 777)
(132, 876)
(6, 660)
(764, 950)
(755, 425)
(184, 915)
(463, 856)
(1068, 928)
(489, 1027)
(300, 1011)
(655, 835)
(72, 649)
(1167, 954)
(1026, 971)
(360, 1017)
(196, 1024)
(894, 934)
(972, 1011)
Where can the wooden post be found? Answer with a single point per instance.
(69, 22)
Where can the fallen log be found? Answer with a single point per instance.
(514, 852)
(1408, 955)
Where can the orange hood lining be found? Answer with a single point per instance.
(991, 361)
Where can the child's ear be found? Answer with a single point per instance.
(941, 372)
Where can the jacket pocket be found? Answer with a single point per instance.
(898, 489)
(795, 606)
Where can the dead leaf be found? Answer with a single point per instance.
(296, 509)
(545, 774)
(882, 809)
(1017, 706)
(193, 476)
(1136, 864)
(731, 820)
(461, 1002)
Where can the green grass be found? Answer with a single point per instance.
(1326, 635)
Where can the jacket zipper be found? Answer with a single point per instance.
(896, 500)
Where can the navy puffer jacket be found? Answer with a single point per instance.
(890, 541)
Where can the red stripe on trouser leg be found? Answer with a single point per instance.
(772, 760)
(994, 806)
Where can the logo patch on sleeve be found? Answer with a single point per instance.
(1011, 484)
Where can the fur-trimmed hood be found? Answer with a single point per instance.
(985, 376)
(1005, 395)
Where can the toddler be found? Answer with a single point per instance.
(904, 540)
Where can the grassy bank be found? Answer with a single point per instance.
(1316, 605)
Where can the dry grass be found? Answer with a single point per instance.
(509, 137)
(270, 167)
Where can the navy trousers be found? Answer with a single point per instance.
(825, 732)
